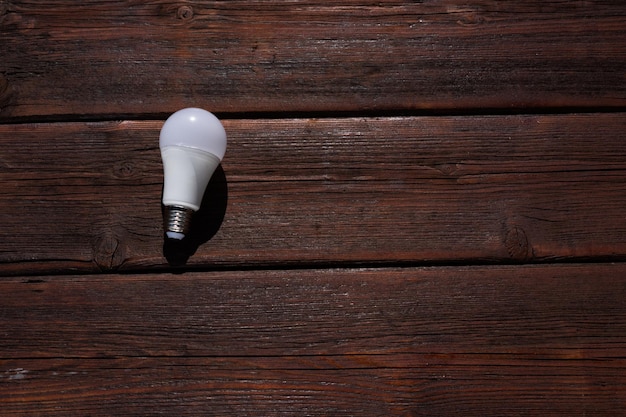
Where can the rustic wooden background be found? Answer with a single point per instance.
(420, 212)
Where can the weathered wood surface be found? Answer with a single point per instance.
(351, 385)
(367, 141)
(301, 192)
(99, 59)
(503, 340)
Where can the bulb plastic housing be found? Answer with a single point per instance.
(193, 143)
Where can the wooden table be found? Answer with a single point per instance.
(421, 210)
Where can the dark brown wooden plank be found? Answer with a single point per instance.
(86, 197)
(351, 385)
(506, 340)
(99, 59)
(561, 311)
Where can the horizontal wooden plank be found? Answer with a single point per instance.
(363, 385)
(144, 58)
(500, 340)
(563, 311)
(86, 196)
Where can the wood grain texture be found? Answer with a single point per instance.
(100, 59)
(421, 210)
(298, 192)
(363, 385)
(505, 340)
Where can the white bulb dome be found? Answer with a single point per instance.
(194, 128)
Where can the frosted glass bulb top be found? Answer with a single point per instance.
(194, 128)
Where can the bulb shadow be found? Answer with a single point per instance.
(205, 223)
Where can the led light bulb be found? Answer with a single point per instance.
(193, 143)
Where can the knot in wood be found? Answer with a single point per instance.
(4, 85)
(470, 19)
(5, 93)
(517, 243)
(124, 170)
(108, 252)
(447, 168)
(184, 13)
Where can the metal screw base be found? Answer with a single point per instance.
(177, 219)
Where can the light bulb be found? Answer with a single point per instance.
(193, 143)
